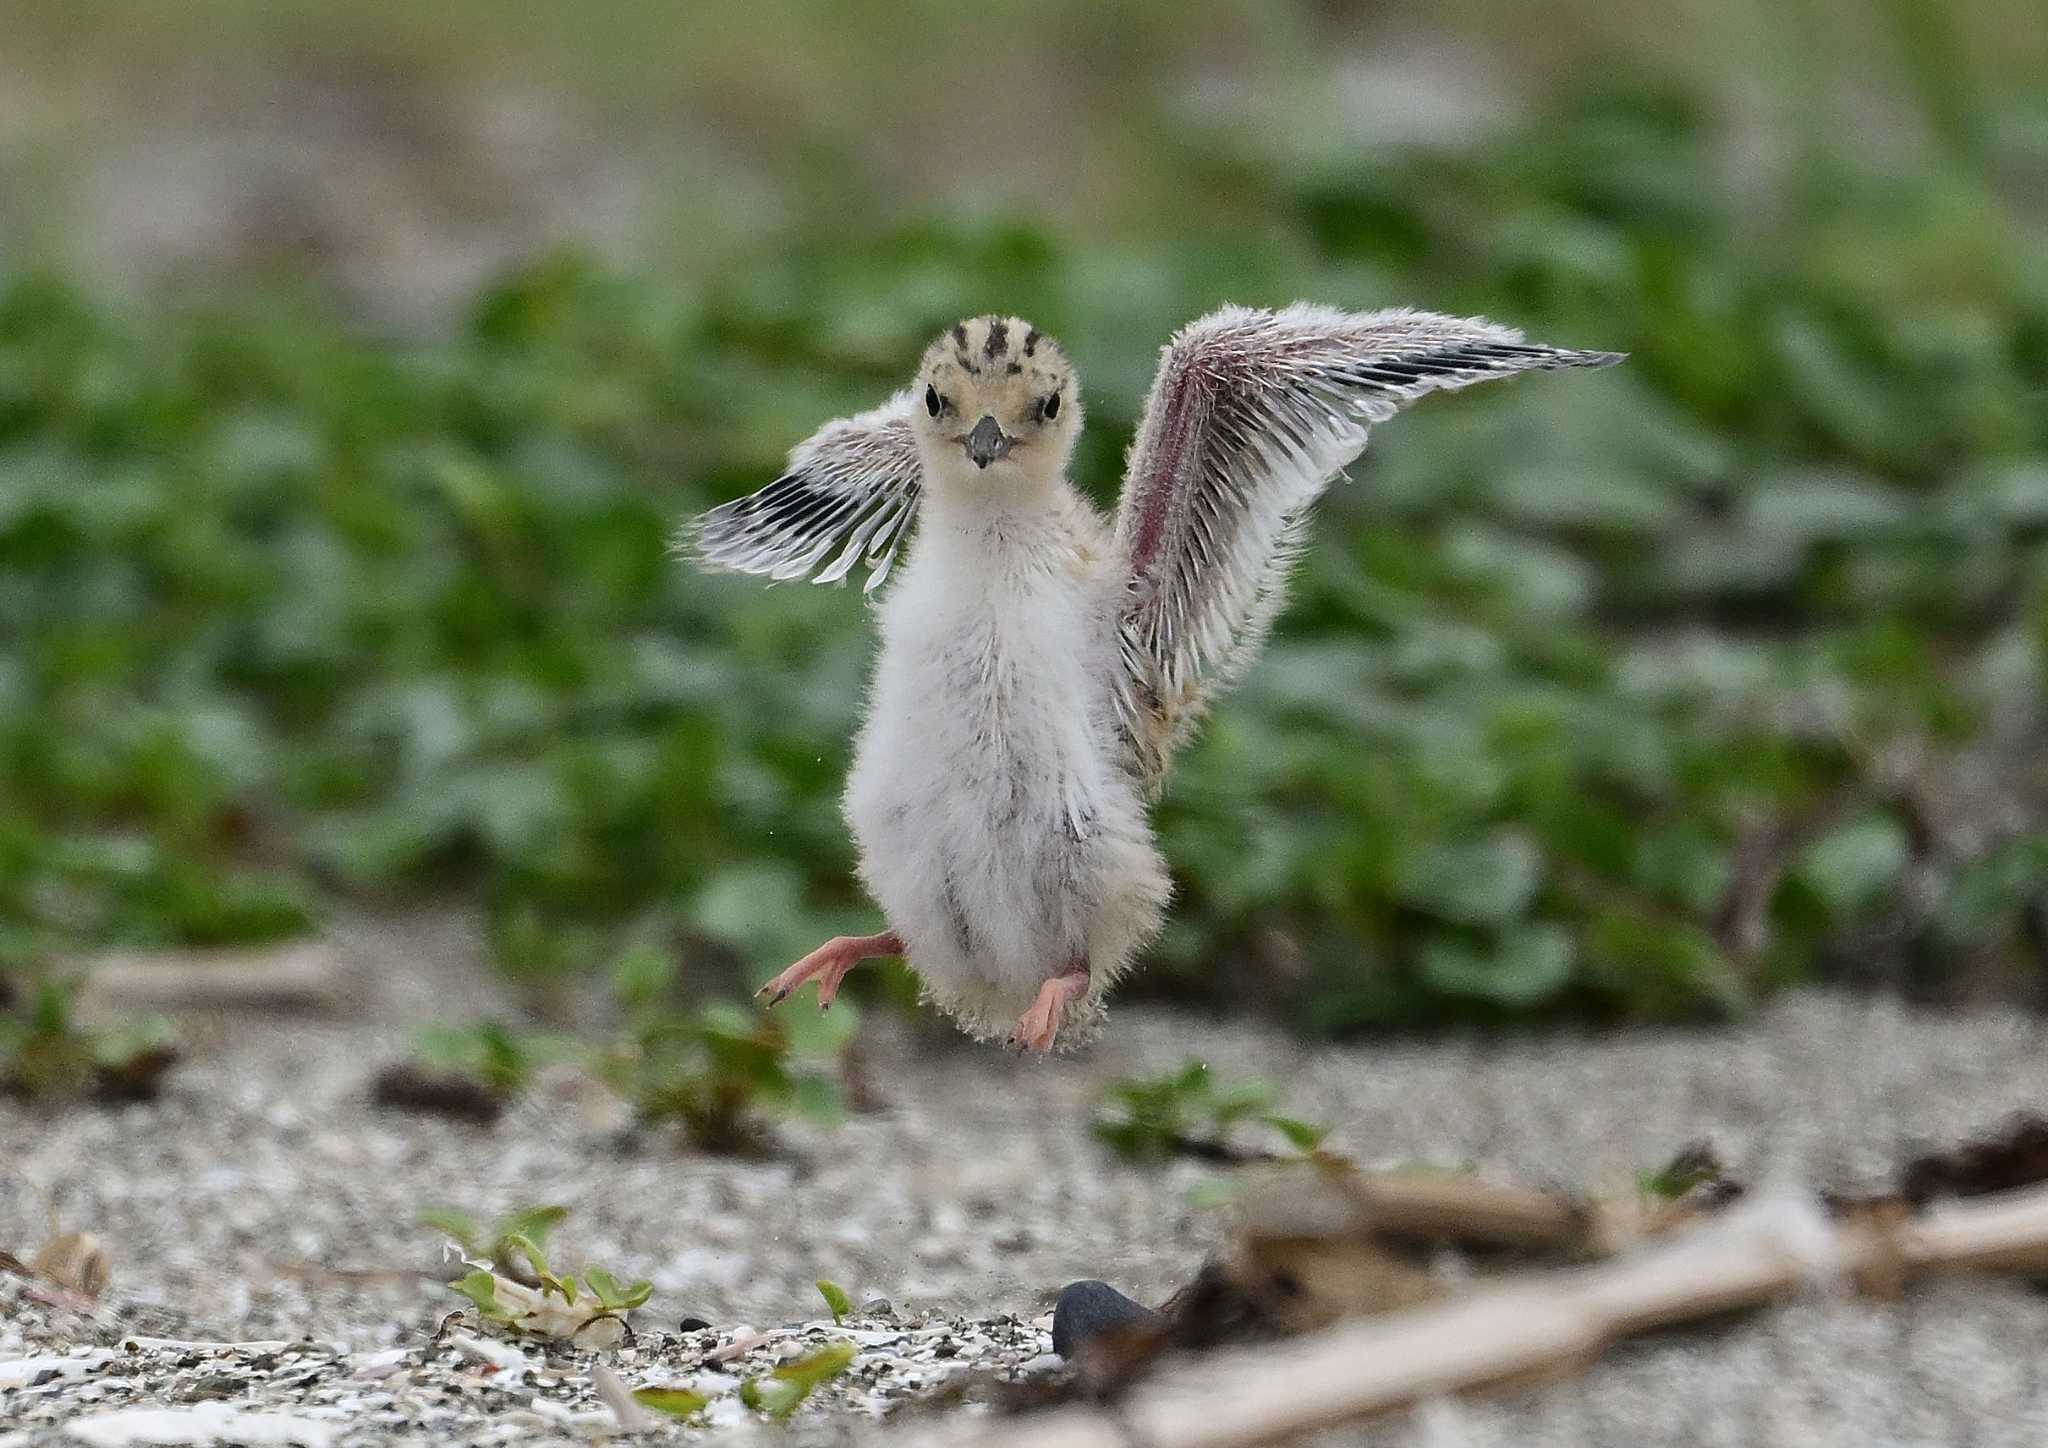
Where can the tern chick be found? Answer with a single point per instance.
(1039, 664)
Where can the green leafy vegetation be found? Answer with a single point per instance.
(500, 1060)
(1634, 693)
(46, 1051)
(1190, 1113)
(719, 1075)
(722, 1074)
(546, 1303)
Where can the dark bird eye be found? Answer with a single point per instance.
(931, 400)
(1051, 408)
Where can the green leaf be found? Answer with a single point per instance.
(676, 1402)
(526, 1247)
(481, 1288)
(532, 1223)
(835, 1299)
(1856, 864)
(1825, 504)
(1226, 1103)
(1678, 1176)
(1484, 881)
(1521, 967)
(641, 974)
(1983, 898)
(1301, 1135)
(465, 1229)
(1216, 1194)
(605, 1288)
(783, 1391)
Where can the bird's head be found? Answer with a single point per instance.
(997, 403)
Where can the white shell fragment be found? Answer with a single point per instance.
(201, 1423)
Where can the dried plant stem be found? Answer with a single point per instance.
(300, 975)
(1540, 1325)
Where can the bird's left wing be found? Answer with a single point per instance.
(851, 486)
(1251, 415)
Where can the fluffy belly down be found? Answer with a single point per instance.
(1002, 866)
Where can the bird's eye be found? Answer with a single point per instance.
(931, 400)
(1051, 408)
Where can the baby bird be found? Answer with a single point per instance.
(1039, 664)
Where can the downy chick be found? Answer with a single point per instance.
(1040, 664)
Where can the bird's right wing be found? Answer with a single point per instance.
(850, 486)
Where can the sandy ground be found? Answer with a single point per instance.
(263, 1198)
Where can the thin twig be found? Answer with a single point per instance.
(1539, 1324)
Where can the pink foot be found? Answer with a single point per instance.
(828, 965)
(1040, 1026)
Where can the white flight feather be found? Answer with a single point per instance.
(851, 485)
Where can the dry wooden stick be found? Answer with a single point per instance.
(1538, 1324)
(1467, 1208)
(300, 975)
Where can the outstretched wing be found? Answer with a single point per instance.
(1251, 415)
(850, 486)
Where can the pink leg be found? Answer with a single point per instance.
(828, 965)
(1040, 1025)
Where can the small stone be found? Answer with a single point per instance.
(1088, 1309)
(214, 1385)
(877, 1307)
(693, 1324)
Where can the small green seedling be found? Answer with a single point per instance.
(783, 1390)
(611, 1296)
(1696, 1166)
(582, 1309)
(835, 1299)
(1189, 1113)
(676, 1402)
(718, 1074)
(501, 1060)
(481, 1288)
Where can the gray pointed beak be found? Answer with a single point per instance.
(986, 443)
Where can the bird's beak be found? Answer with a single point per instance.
(986, 443)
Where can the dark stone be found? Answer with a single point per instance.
(693, 1324)
(407, 1087)
(1087, 1310)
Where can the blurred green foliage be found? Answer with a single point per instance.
(499, 1059)
(1594, 693)
(1189, 1113)
(46, 1051)
(718, 1075)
